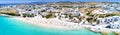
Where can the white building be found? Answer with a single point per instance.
(108, 20)
(115, 25)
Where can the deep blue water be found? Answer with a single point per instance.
(10, 26)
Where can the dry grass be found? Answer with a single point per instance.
(9, 11)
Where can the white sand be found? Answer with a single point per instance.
(58, 24)
(50, 23)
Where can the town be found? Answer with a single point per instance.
(84, 13)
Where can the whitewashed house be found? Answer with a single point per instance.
(115, 25)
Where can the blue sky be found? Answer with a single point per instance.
(25, 1)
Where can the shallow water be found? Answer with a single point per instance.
(9, 26)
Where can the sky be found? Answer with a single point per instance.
(26, 1)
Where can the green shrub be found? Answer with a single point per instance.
(111, 15)
(28, 15)
(13, 14)
(48, 16)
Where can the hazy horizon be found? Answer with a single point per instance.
(27, 1)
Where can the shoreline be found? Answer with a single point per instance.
(50, 23)
(63, 25)
(59, 24)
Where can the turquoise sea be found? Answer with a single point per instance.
(9, 26)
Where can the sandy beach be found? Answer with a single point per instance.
(50, 23)
(59, 24)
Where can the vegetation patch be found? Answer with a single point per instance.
(13, 14)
